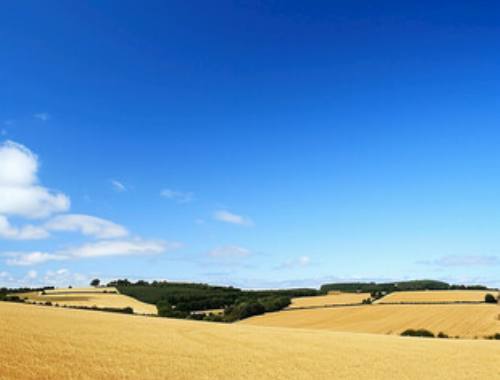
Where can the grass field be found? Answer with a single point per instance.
(332, 298)
(88, 297)
(437, 296)
(53, 343)
(455, 320)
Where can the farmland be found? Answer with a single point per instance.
(89, 297)
(436, 296)
(455, 320)
(55, 343)
(332, 298)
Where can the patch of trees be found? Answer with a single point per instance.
(188, 297)
(239, 310)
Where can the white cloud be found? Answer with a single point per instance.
(228, 217)
(122, 248)
(229, 252)
(32, 258)
(28, 232)
(87, 225)
(178, 196)
(43, 116)
(20, 193)
(118, 186)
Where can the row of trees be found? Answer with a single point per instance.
(389, 287)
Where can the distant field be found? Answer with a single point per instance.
(455, 320)
(437, 296)
(88, 297)
(53, 343)
(332, 298)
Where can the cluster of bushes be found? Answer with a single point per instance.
(423, 333)
(490, 298)
(494, 336)
(9, 298)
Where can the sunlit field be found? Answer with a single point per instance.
(455, 320)
(332, 298)
(89, 297)
(430, 296)
(53, 343)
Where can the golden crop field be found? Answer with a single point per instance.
(455, 320)
(88, 297)
(437, 296)
(52, 343)
(332, 298)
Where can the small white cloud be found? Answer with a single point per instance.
(20, 193)
(43, 116)
(87, 225)
(199, 221)
(229, 252)
(178, 196)
(32, 258)
(118, 186)
(228, 217)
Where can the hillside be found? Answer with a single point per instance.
(455, 320)
(89, 297)
(333, 298)
(436, 296)
(55, 343)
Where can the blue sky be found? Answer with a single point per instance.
(259, 144)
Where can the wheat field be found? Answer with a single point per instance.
(430, 296)
(41, 342)
(88, 297)
(468, 321)
(332, 298)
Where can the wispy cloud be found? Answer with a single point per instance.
(118, 186)
(31, 258)
(299, 262)
(106, 248)
(463, 261)
(178, 196)
(43, 116)
(229, 252)
(229, 217)
(86, 225)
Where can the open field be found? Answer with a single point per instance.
(455, 320)
(53, 343)
(332, 298)
(437, 296)
(89, 297)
